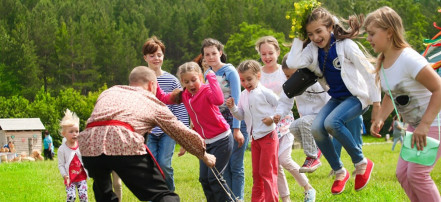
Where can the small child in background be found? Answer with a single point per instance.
(256, 106)
(69, 158)
(397, 129)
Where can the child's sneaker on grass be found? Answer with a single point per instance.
(309, 195)
(310, 165)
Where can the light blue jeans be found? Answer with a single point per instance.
(354, 126)
(235, 172)
(331, 120)
(162, 148)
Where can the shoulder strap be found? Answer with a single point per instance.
(395, 107)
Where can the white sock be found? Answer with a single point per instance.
(341, 170)
(364, 161)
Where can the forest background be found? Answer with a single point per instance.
(58, 54)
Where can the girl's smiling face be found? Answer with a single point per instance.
(268, 54)
(155, 59)
(191, 81)
(319, 34)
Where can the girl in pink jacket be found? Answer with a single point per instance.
(202, 101)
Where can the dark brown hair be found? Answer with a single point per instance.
(152, 45)
(329, 20)
(213, 42)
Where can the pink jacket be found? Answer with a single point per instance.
(203, 108)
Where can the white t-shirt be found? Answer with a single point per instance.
(274, 81)
(411, 97)
(312, 100)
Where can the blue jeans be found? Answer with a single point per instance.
(355, 127)
(331, 120)
(162, 147)
(235, 171)
(213, 191)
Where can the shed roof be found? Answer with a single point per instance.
(21, 124)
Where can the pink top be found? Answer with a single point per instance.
(141, 110)
(203, 108)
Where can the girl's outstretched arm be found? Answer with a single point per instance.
(168, 98)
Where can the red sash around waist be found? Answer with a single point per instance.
(110, 123)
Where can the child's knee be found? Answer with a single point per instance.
(332, 125)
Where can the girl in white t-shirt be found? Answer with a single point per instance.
(416, 90)
(273, 77)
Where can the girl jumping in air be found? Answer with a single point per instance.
(346, 72)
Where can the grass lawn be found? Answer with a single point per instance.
(41, 181)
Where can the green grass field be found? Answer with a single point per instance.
(41, 181)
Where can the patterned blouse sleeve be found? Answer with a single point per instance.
(184, 136)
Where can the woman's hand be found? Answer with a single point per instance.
(209, 160)
(181, 152)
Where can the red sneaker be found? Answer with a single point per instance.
(319, 153)
(361, 180)
(339, 185)
(310, 165)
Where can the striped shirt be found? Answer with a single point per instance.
(167, 82)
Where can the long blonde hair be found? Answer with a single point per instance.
(387, 19)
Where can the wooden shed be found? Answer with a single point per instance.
(25, 133)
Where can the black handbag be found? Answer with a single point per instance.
(299, 82)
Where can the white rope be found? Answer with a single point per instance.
(229, 192)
